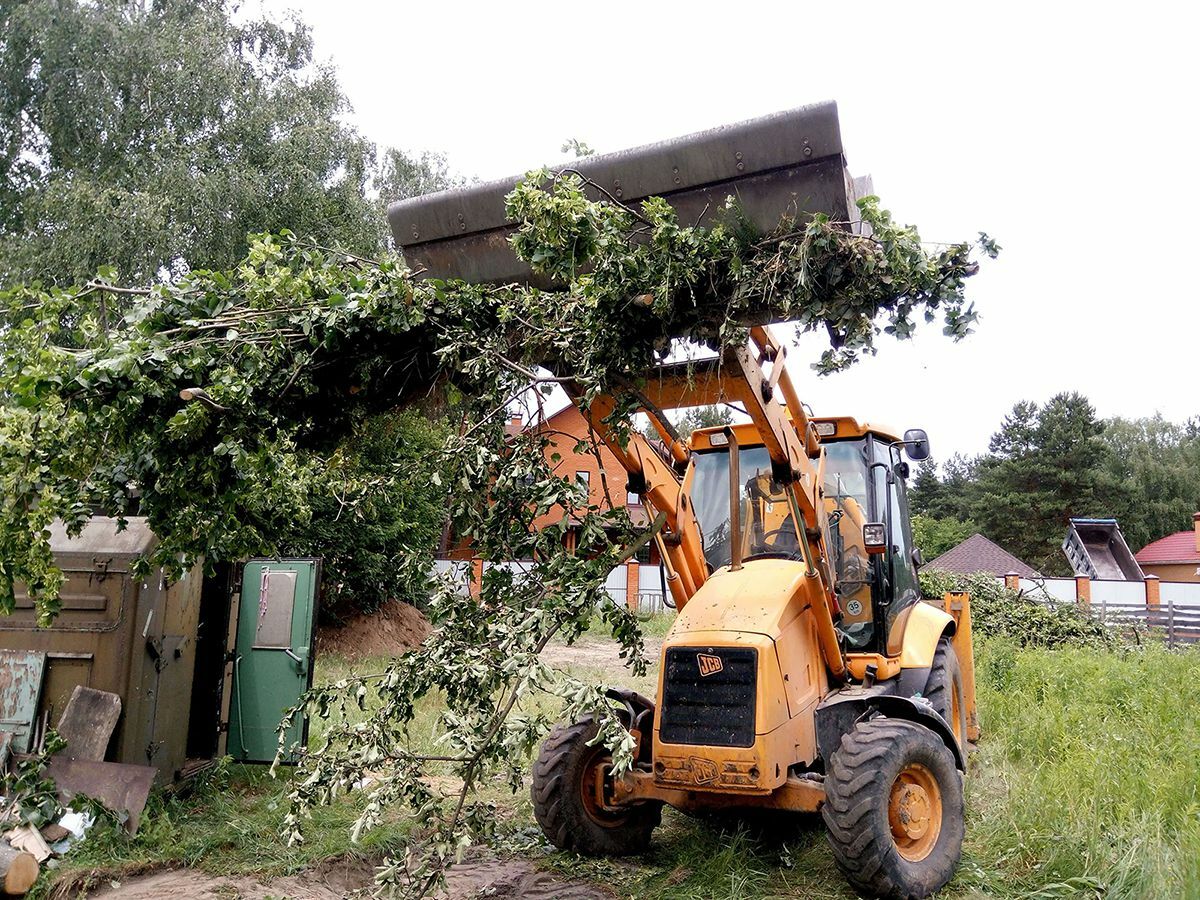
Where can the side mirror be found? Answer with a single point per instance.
(875, 537)
(916, 442)
(918, 558)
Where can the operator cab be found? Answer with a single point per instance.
(863, 484)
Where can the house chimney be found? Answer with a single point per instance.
(1196, 528)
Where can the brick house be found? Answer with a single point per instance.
(605, 479)
(1175, 557)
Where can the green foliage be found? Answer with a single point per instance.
(153, 137)
(29, 796)
(948, 496)
(935, 536)
(1047, 464)
(1044, 468)
(377, 515)
(998, 612)
(1158, 465)
(219, 401)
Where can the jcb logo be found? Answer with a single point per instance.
(709, 664)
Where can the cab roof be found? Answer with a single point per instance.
(844, 428)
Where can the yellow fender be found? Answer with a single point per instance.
(925, 626)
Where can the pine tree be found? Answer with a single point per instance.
(1047, 464)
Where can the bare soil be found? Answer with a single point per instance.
(481, 875)
(394, 628)
(595, 653)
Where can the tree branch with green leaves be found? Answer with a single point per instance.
(216, 403)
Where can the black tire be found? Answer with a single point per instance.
(944, 690)
(560, 777)
(901, 861)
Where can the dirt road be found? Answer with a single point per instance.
(486, 875)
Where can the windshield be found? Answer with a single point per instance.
(768, 528)
(848, 508)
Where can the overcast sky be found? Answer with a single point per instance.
(1066, 131)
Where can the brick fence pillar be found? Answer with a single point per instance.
(1083, 590)
(1012, 581)
(476, 577)
(631, 584)
(1152, 591)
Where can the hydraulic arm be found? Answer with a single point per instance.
(771, 401)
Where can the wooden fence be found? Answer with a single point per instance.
(1174, 624)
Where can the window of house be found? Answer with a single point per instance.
(633, 499)
(584, 478)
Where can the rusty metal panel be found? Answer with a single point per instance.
(119, 787)
(173, 659)
(64, 673)
(789, 163)
(21, 674)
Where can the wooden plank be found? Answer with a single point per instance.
(88, 722)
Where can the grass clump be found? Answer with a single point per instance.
(224, 822)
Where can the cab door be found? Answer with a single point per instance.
(272, 655)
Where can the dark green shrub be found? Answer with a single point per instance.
(997, 611)
(377, 520)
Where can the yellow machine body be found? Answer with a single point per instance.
(762, 606)
(769, 606)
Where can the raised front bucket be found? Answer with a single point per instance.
(788, 163)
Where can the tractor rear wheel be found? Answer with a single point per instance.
(944, 690)
(894, 809)
(567, 807)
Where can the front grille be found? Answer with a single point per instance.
(713, 710)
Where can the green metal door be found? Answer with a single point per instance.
(272, 662)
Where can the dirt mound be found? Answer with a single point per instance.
(392, 629)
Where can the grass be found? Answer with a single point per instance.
(1089, 773)
(1086, 784)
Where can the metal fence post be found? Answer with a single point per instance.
(1171, 624)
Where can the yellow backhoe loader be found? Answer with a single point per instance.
(803, 671)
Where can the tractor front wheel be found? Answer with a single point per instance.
(566, 804)
(894, 809)
(944, 690)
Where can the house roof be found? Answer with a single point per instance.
(1179, 547)
(978, 554)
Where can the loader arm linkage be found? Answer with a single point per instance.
(771, 401)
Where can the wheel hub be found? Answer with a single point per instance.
(915, 812)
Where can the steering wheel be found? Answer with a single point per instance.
(784, 530)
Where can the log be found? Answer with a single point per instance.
(18, 870)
